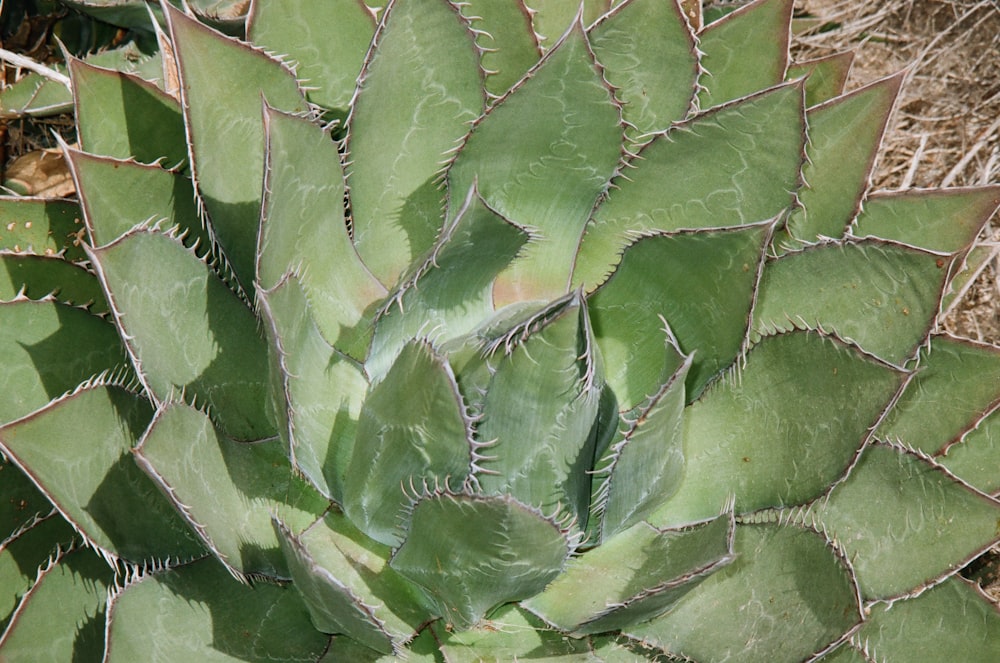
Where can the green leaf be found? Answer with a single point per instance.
(227, 490)
(41, 226)
(844, 136)
(413, 431)
(186, 331)
(303, 231)
(511, 634)
(317, 391)
(48, 349)
(222, 83)
(328, 41)
(27, 550)
(21, 504)
(882, 296)
(551, 18)
(951, 622)
(826, 76)
(123, 116)
(732, 166)
(701, 283)
(955, 386)
(94, 483)
(448, 293)
(976, 456)
(507, 41)
(348, 586)
(927, 524)
(601, 592)
(61, 618)
(200, 613)
(569, 145)
(787, 595)
(744, 52)
(779, 429)
(539, 412)
(473, 553)
(645, 467)
(946, 220)
(38, 276)
(649, 56)
(116, 196)
(420, 89)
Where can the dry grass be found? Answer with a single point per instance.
(946, 127)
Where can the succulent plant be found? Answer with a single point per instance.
(468, 331)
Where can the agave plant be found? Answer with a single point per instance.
(468, 331)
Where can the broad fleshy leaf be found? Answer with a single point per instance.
(825, 77)
(39, 277)
(41, 226)
(303, 231)
(927, 524)
(222, 83)
(420, 89)
(201, 614)
(761, 607)
(548, 181)
(226, 490)
(745, 51)
(732, 166)
(88, 481)
(474, 552)
(427, 442)
(780, 428)
(186, 332)
(976, 456)
(505, 35)
(599, 593)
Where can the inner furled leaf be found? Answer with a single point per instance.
(844, 136)
(569, 144)
(326, 39)
(882, 296)
(448, 293)
(954, 386)
(93, 481)
(41, 225)
(702, 283)
(303, 231)
(200, 615)
(48, 349)
(40, 276)
(731, 166)
(648, 55)
(744, 52)
(539, 413)
(826, 76)
(61, 618)
(413, 432)
(348, 585)
(951, 622)
(780, 429)
(227, 490)
(505, 36)
(645, 467)
(599, 593)
(927, 524)
(937, 219)
(123, 116)
(512, 634)
(475, 552)
(317, 391)
(222, 83)
(551, 18)
(976, 456)
(420, 89)
(787, 596)
(186, 331)
(118, 195)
